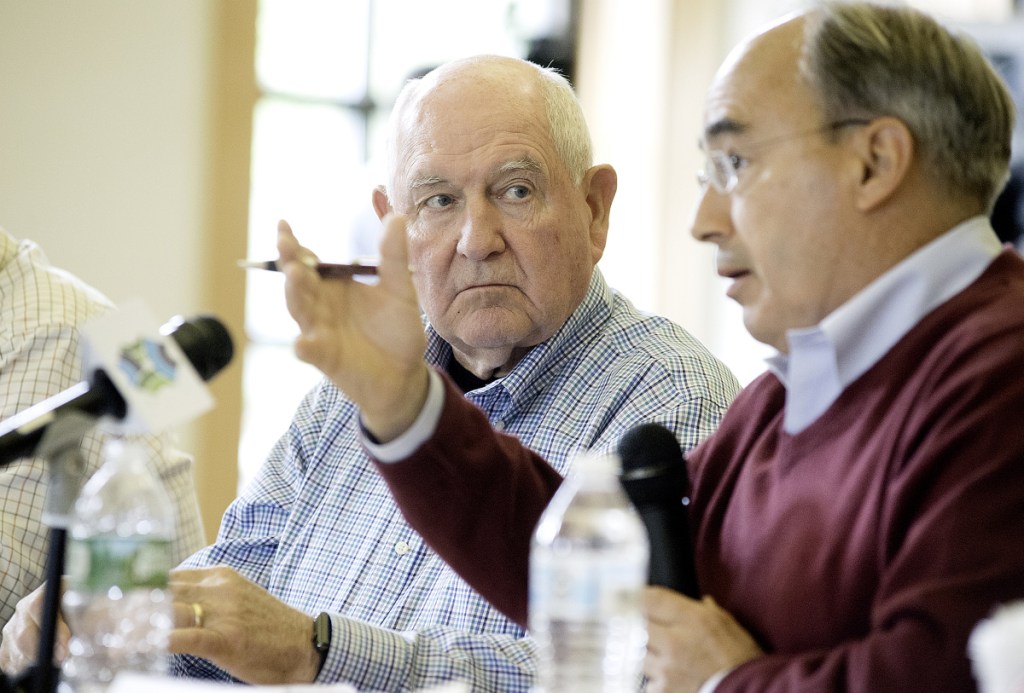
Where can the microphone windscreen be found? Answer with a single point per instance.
(653, 468)
(205, 341)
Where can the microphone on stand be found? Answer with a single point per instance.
(141, 378)
(655, 478)
(204, 341)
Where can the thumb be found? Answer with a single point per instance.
(395, 273)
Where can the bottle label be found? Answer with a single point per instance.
(586, 587)
(100, 562)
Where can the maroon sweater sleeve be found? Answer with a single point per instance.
(475, 496)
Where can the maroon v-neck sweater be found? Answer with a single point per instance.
(860, 553)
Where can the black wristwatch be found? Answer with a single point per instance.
(322, 635)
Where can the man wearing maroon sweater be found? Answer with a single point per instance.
(861, 505)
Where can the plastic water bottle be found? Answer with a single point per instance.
(118, 558)
(588, 570)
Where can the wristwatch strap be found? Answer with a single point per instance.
(322, 635)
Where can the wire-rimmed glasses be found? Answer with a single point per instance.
(721, 169)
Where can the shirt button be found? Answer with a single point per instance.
(499, 425)
(402, 548)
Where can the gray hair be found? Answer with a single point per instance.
(868, 60)
(568, 128)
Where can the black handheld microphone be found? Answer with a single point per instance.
(654, 477)
(204, 340)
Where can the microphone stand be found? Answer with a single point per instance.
(61, 447)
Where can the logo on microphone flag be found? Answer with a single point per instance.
(147, 364)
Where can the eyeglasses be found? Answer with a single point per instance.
(721, 169)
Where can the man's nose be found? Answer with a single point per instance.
(482, 232)
(711, 221)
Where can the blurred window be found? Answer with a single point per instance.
(328, 73)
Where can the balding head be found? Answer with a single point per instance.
(508, 85)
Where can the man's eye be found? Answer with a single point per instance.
(738, 162)
(440, 201)
(517, 192)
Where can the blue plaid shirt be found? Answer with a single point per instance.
(318, 528)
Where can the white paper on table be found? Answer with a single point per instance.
(996, 648)
(130, 682)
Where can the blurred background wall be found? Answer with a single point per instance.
(124, 149)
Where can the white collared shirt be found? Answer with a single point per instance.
(824, 360)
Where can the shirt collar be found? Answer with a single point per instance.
(586, 320)
(824, 360)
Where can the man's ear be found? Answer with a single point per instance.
(886, 151)
(381, 204)
(600, 184)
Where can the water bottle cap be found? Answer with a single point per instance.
(598, 463)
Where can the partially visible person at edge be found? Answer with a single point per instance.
(490, 158)
(41, 311)
(861, 506)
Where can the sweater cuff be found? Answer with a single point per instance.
(419, 433)
(711, 684)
